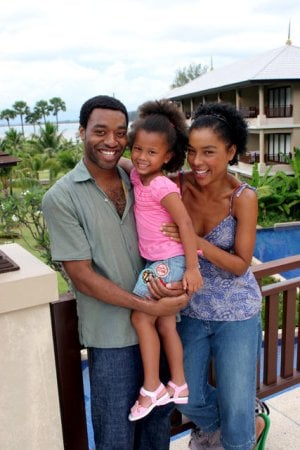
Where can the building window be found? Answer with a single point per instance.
(279, 147)
(279, 102)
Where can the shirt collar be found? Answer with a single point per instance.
(81, 174)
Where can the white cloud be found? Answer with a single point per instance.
(129, 48)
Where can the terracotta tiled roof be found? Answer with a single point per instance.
(278, 64)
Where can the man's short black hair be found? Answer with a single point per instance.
(103, 102)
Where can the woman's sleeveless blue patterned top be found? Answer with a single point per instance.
(224, 296)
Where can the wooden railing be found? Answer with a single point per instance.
(68, 356)
(254, 157)
(279, 111)
(270, 111)
(278, 158)
(249, 111)
(286, 294)
(249, 157)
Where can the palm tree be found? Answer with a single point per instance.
(57, 105)
(29, 169)
(8, 114)
(33, 119)
(48, 143)
(50, 140)
(22, 109)
(42, 108)
(12, 142)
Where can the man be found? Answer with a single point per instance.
(89, 213)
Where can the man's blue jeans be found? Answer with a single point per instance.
(234, 349)
(116, 376)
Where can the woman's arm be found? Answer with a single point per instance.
(245, 210)
(126, 164)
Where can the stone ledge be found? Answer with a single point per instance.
(33, 284)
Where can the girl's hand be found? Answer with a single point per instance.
(192, 280)
(171, 230)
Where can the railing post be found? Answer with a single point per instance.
(288, 333)
(298, 350)
(69, 373)
(271, 340)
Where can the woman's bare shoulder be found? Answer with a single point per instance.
(233, 181)
(182, 178)
(175, 177)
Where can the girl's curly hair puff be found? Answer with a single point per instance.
(163, 116)
(226, 121)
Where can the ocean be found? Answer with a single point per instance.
(68, 129)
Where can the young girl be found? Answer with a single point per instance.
(158, 142)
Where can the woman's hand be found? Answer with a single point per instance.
(171, 230)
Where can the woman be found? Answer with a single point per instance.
(222, 320)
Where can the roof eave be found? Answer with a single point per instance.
(229, 87)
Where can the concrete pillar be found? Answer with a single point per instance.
(29, 405)
(261, 119)
(237, 99)
(191, 106)
(261, 164)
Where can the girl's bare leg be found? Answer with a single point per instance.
(173, 349)
(150, 352)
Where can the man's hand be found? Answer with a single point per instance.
(166, 306)
(169, 299)
(159, 289)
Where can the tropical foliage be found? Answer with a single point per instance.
(22, 109)
(44, 157)
(8, 114)
(279, 194)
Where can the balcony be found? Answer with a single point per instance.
(279, 111)
(249, 157)
(249, 112)
(278, 158)
(269, 159)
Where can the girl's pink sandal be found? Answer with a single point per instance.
(138, 411)
(177, 391)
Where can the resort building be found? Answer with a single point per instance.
(266, 89)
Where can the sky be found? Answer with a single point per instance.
(130, 49)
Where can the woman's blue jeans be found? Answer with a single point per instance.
(116, 376)
(234, 349)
